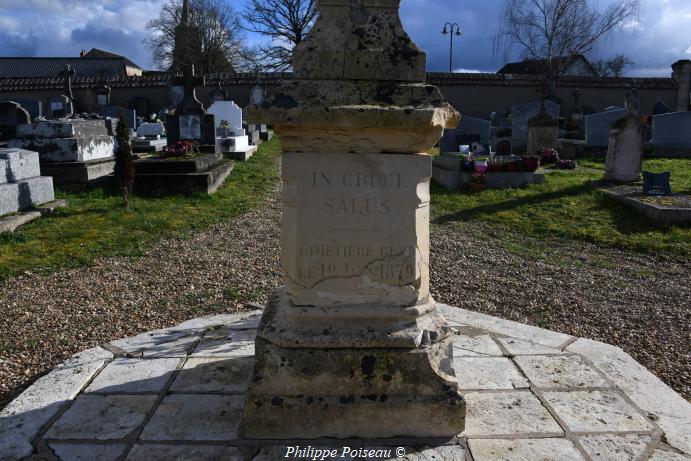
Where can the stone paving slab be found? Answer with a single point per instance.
(184, 452)
(185, 392)
(134, 376)
(608, 447)
(596, 411)
(89, 452)
(215, 374)
(22, 419)
(506, 327)
(524, 450)
(659, 402)
(522, 347)
(195, 417)
(475, 346)
(510, 413)
(560, 371)
(485, 373)
(102, 417)
(226, 342)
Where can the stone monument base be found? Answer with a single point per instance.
(200, 175)
(90, 173)
(379, 373)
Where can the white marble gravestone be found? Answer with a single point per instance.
(230, 112)
(256, 95)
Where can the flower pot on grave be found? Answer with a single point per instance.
(480, 167)
(531, 164)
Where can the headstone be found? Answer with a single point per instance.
(33, 107)
(228, 111)
(635, 98)
(257, 95)
(660, 108)
(597, 127)
(542, 133)
(521, 114)
(103, 92)
(672, 130)
(471, 129)
(219, 94)
(355, 321)
(141, 105)
(656, 183)
(114, 112)
(191, 122)
(625, 151)
(11, 115)
(60, 106)
(504, 148)
(151, 130)
(21, 183)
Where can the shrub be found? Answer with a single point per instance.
(124, 162)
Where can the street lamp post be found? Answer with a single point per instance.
(452, 30)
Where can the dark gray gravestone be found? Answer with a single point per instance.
(672, 130)
(34, 108)
(191, 122)
(141, 105)
(219, 94)
(130, 115)
(11, 115)
(469, 130)
(520, 114)
(597, 126)
(257, 95)
(656, 183)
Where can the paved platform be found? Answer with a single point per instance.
(178, 394)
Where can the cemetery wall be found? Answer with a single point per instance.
(477, 95)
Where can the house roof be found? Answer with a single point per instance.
(97, 53)
(541, 66)
(51, 67)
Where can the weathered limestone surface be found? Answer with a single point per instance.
(625, 151)
(353, 345)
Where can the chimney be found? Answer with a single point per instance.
(82, 53)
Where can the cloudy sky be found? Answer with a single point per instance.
(661, 35)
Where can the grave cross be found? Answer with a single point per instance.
(189, 81)
(68, 73)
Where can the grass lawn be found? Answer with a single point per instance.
(565, 207)
(95, 223)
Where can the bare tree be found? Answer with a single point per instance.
(613, 67)
(220, 39)
(553, 29)
(285, 22)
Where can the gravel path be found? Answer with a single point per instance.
(640, 303)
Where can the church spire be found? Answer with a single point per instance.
(185, 12)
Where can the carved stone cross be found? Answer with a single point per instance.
(68, 73)
(189, 81)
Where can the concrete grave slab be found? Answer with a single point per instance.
(226, 342)
(161, 343)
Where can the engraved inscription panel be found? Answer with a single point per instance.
(355, 228)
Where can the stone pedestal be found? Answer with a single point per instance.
(625, 151)
(353, 345)
(21, 183)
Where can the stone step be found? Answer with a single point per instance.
(20, 195)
